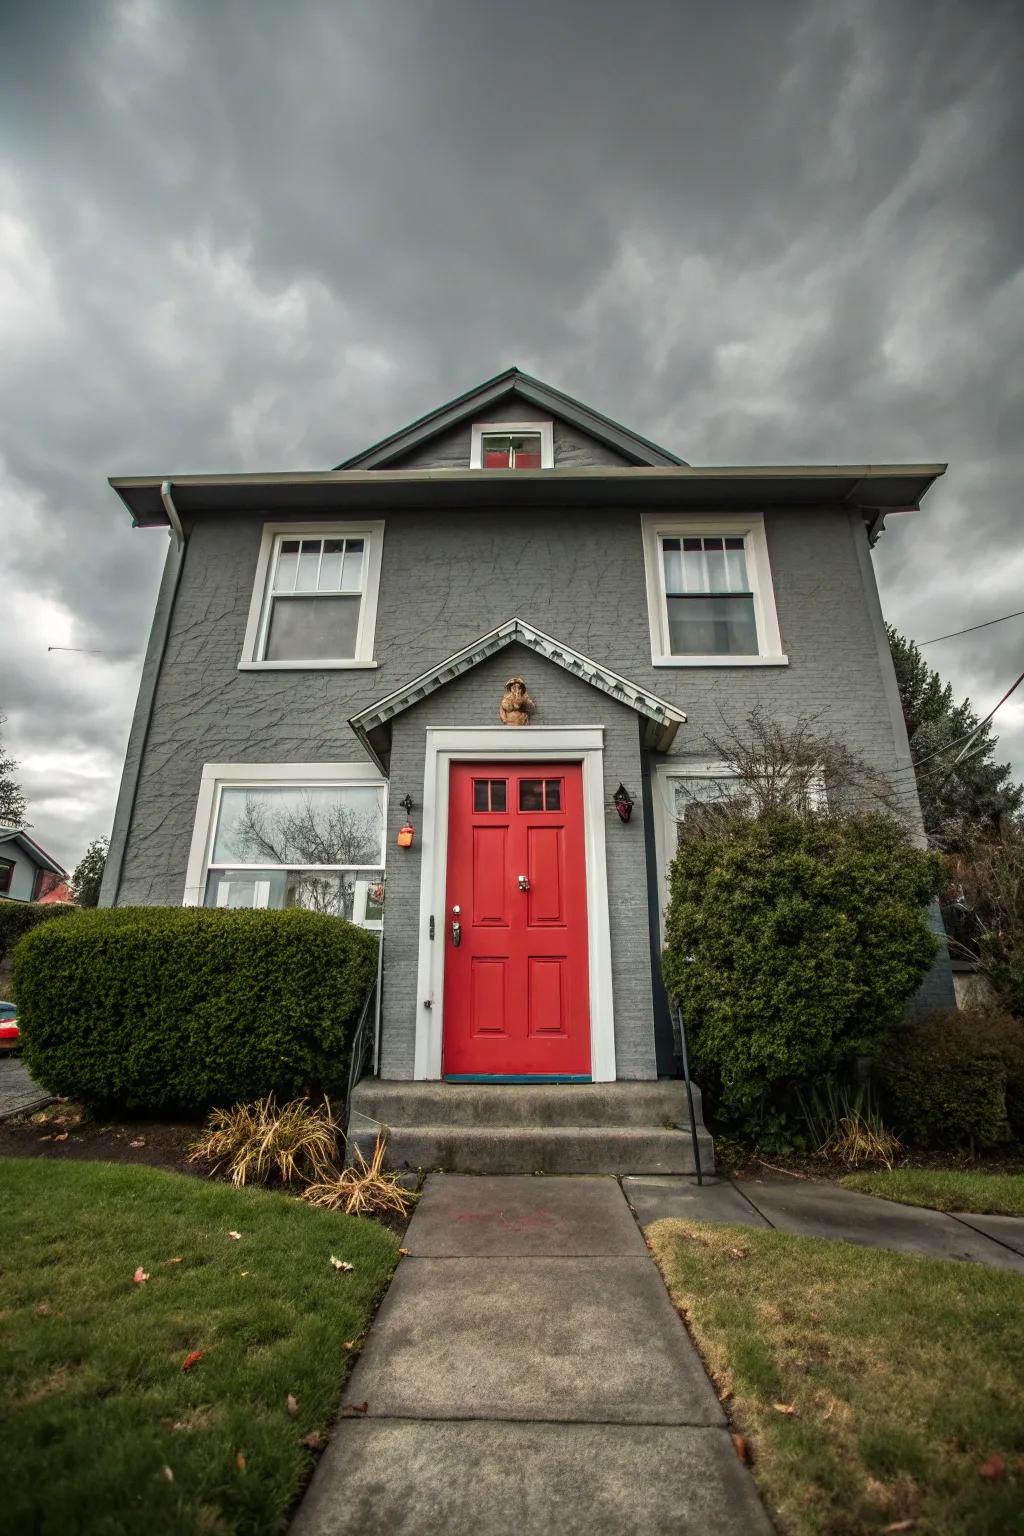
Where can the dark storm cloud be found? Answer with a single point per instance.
(261, 236)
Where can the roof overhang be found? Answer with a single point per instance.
(31, 847)
(659, 719)
(872, 489)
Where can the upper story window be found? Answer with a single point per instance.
(512, 445)
(709, 592)
(314, 602)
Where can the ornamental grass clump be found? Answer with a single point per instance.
(264, 1142)
(363, 1189)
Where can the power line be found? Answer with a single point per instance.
(971, 628)
(972, 733)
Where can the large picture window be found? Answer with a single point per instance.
(709, 592)
(315, 598)
(309, 841)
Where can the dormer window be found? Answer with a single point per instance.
(512, 445)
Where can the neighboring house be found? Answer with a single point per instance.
(27, 871)
(331, 658)
(59, 894)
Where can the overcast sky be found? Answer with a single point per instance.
(254, 236)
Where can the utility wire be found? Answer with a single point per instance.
(971, 628)
(972, 733)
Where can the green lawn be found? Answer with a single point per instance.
(996, 1193)
(104, 1432)
(905, 1376)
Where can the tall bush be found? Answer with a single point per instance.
(954, 1079)
(793, 941)
(20, 917)
(182, 1008)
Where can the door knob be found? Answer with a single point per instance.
(524, 884)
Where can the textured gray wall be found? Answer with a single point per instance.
(561, 700)
(447, 579)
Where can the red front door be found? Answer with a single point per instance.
(516, 990)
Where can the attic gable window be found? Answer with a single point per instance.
(512, 445)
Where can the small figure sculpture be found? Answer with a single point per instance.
(516, 704)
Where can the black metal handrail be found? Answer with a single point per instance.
(362, 1047)
(677, 1014)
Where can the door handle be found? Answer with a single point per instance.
(524, 884)
(456, 927)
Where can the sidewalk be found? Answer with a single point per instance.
(813, 1208)
(528, 1373)
(18, 1093)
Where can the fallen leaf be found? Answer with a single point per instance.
(192, 1359)
(738, 1253)
(243, 1273)
(403, 1253)
(178, 1260)
(62, 1137)
(994, 1467)
(784, 1407)
(237, 1236)
(351, 1344)
(292, 1406)
(168, 1475)
(340, 1264)
(240, 1462)
(140, 1275)
(740, 1446)
(314, 1441)
(140, 1141)
(46, 1138)
(356, 1407)
(42, 1309)
(898, 1525)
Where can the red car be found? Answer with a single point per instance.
(10, 1039)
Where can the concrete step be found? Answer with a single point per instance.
(659, 1104)
(538, 1149)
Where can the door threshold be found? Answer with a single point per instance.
(516, 1077)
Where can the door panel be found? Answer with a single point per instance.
(516, 996)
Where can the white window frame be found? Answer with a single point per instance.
(257, 625)
(481, 429)
(750, 527)
(219, 776)
(665, 819)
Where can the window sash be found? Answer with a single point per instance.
(255, 787)
(275, 590)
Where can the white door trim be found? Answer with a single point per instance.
(568, 744)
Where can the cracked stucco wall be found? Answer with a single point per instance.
(448, 578)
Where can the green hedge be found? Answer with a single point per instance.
(178, 1009)
(20, 917)
(954, 1079)
(793, 943)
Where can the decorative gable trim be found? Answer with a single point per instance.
(660, 719)
(634, 447)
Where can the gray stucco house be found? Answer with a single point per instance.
(27, 871)
(328, 714)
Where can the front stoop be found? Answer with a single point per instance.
(617, 1128)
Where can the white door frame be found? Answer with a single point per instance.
(566, 744)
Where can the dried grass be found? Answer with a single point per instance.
(362, 1189)
(258, 1142)
(860, 1138)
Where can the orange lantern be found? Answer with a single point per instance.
(406, 835)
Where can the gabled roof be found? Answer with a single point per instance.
(31, 847)
(475, 401)
(660, 719)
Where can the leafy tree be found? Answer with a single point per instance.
(13, 805)
(977, 794)
(88, 875)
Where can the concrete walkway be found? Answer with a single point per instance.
(18, 1092)
(528, 1373)
(813, 1208)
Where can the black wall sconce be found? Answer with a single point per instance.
(623, 803)
(408, 832)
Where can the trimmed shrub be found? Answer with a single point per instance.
(956, 1079)
(793, 942)
(183, 1008)
(20, 917)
